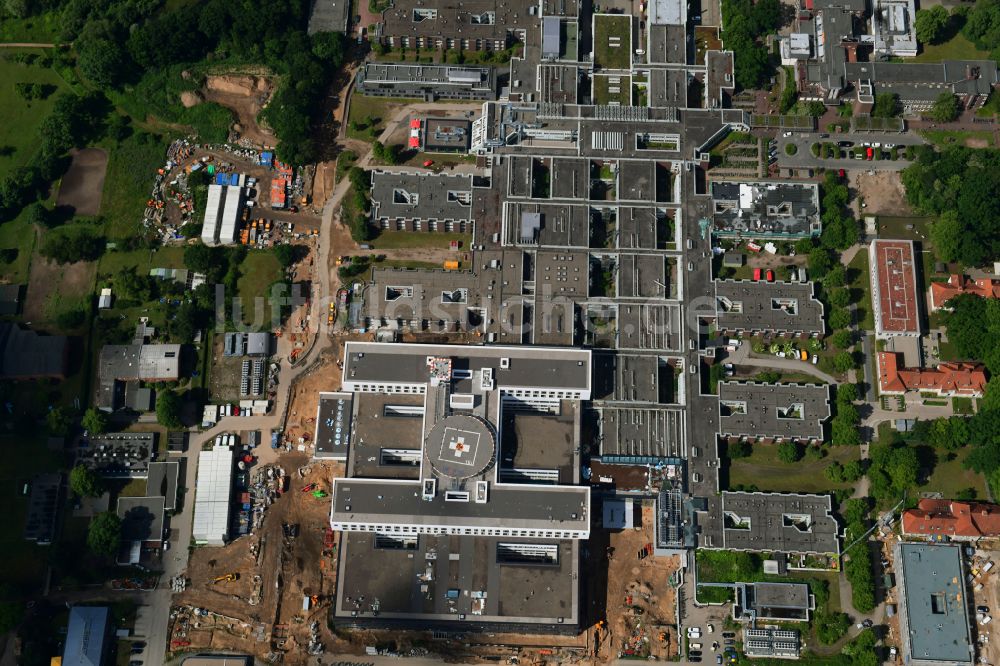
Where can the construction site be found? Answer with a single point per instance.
(641, 598)
(269, 591)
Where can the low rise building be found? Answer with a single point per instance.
(118, 455)
(88, 636)
(212, 496)
(942, 292)
(10, 298)
(775, 412)
(421, 201)
(470, 25)
(765, 210)
(776, 522)
(893, 275)
(934, 623)
(950, 519)
(45, 498)
(26, 354)
(787, 308)
(947, 379)
(123, 367)
(142, 526)
(779, 602)
(430, 82)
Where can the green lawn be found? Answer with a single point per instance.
(913, 227)
(16, 234)
(401, 263)
(393, 240)
(763, 470)
(956, 48)
(949, 477)
(257, 273)
(132, 166)
(19, 118)
(141, 260)
(22, 563)
(607, 56)
(971, 138)
(41, 29)
(377, 108)
(859, 281)
(603, 93)
(961, 405)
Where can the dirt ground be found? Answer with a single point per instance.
(53, 288)
(882, 192)
(275, 573)
(245, 95)
(640, 603)
(326, 376)
(81, 187)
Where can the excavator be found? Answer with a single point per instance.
(226, 578)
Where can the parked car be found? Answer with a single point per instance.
(845, 144)
(982, 609)
(696, 653)
(718, 660)
(728, 634)
(756, 275)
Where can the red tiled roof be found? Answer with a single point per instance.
(942, 292)
(897, 286)
(945, 517)
(955, 378)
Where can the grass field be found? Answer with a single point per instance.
(403, 263)
(612, 89)
(132, 165)
(858, 274)
(971, 138)
(956, 48)
(378, 109)
(19, 118)
(394, 240)
(763, 470)
(606, 55)
(257, 273)
(41, 29)
(949, 477)
(16, 234)
(141, 260)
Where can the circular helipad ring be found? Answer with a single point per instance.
(460, 446)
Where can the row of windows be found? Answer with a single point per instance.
(470, 531)
(399, 224)
(438, 42)
(562, 395)
(386, 388)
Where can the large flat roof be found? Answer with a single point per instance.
(517, 505)
(430, 578)
(894, 287)
(779, 411)
(788, 523)
(527, 367)
(766, 209)
(779, 307)
(421, 196)
(934, 617)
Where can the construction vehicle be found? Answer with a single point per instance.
(311, 486)
(319, 494)
(227, 578)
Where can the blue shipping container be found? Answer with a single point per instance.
(234, 179)
(221, 178)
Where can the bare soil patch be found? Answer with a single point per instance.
(882, 192)
(245, 95)
(83, 184)
(53, 287)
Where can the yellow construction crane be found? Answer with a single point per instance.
(226, 578)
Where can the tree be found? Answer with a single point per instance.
(840, 318)
(37, 214)
(95, 421)
(946, 234)
(931, 24)
(85, 482)
(840, 297)
(739, 449)
(103, 61)
(853, 470)
(789, 452)
(834, 472)
(768, 377)
(842, 339)
(58, 421)
(105, 534)
(837, 277)
(67, 246)
(168, 409)
(819, 262)
(804, 245)
(946, 107)
(843, 361)
(886, 105)
(830, 627)
(846, 394)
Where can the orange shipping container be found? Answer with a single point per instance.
(451, 265)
